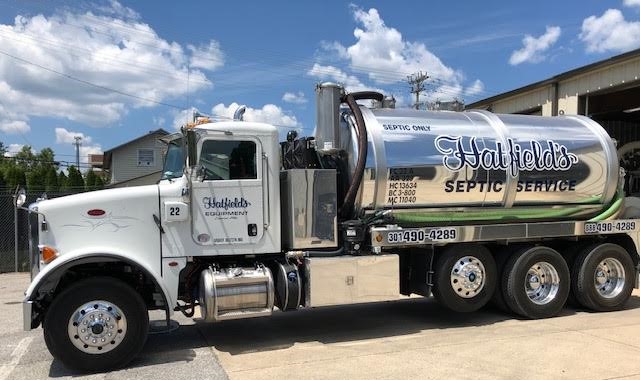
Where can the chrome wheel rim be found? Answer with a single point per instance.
(609, 278)
(542, 283)
(467, 276)
(97, 327)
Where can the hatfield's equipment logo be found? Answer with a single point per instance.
(511, 156)
(225, 203)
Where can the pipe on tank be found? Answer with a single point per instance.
(350, 100)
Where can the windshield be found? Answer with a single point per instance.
(173, 160)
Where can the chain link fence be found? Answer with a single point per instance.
(14, 247)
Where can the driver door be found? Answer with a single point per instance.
(227, 197)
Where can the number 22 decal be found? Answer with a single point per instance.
(174, 211)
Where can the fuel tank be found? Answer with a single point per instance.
(565, 166)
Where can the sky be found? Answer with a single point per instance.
(111, 71)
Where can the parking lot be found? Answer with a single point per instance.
(411, 338)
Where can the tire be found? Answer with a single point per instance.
(465, 277)
(603, 276)
(535, 282)
(570, 254)
(501, 257)
(120, 312)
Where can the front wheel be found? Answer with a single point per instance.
(96, 324)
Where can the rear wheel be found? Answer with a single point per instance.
(465, 277)
(501, 257)
(603, 277)
(96, 324)
(535, 282)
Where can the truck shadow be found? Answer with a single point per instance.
(350, 323)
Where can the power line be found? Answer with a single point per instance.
(90, 83)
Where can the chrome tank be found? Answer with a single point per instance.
(423, 160)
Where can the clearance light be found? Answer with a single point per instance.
(48, 254)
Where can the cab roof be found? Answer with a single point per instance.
(243, 127)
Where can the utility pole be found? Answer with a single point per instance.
(77, 144)
(416, 81)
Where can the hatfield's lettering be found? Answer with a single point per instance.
(225, 203)
(513, 157)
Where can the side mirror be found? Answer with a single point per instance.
(197, 173)
(19, 198)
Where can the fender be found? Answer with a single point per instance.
(52, 273)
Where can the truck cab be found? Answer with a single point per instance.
(227, 201)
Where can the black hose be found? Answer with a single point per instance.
(363, 145)
(368, 95)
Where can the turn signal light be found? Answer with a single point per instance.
(48, 254)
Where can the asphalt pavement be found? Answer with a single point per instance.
(409, 338)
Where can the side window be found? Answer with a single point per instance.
(222, 160)
(146, 157)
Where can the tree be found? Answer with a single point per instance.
(51, 180)
(75, 181)
(63, 181)
(36, 179)
(91, 180)
(15, 177)
(99, 183)
(25, 158)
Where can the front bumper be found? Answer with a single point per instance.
(27, 315)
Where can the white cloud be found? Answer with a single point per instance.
(269, 113)
(534, 48)
(207, 57)
(86, 150)
(386, 57)
(445, 92)
(118, 10)
(63, 136)
(632, 3)
(475, 89)
(335, 47)
(382, 53)
(182, 117)
(610, 32)
(295, 98)
(112, 49)
(158, 121)
(13, 149)
(14, 127)
(350, 82)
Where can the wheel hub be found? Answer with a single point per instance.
(467, 277)
(534, 282)
(609, 278)
(542, 283)
(97, 327)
